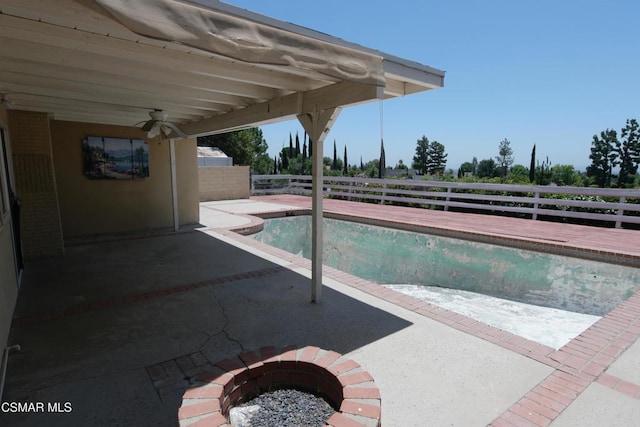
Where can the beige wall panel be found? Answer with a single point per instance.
(90, 206)
(187, 173)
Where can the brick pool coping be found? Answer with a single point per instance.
(341, 381)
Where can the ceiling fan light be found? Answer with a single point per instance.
(154, 131)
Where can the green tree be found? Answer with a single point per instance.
(565, 175)
(532, 165)
(465, 169)
(328, 165)
(345, 167)
(421, 158)
(371, 168)
(382, 163)
(297, 152)
(543, 172)
(603, 157)
(334, 165)
(304, 158)
(629, 153)
(518, 174)
(291, 154)
(327, 162)
(486, 168)
(284, 159)
(401, 165)
(436, 159)
(504, 158)
(247, 147)
(295, 166)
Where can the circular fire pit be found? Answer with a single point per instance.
(340, 381)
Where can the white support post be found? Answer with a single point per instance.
(317, 125)
(620, 213)
(536, 205)
(174, 184)
(447, 200)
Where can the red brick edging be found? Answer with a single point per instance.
(341, 381)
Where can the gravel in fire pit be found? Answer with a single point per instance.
(289, 408)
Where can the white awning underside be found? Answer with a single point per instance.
(211, 66)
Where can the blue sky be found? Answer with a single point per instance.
(550, 73)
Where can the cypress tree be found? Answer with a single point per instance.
(334, 165)
(382, 162)
(297, 145)
(284, 156)
(345, 168)
(532, 165)
(290, 146)
(304, 157)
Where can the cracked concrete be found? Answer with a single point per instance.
(225, 324)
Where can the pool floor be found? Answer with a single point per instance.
(548, 326)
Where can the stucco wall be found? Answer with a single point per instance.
(187, 180)
(90, 206)
(224, 183)
(8, 281)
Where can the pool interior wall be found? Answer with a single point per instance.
(387, 256)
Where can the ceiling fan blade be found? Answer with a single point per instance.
(148, 125)
(175, 129)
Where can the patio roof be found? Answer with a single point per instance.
(211, 66)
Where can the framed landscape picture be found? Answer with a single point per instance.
(115, 158)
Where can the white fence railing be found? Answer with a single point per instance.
(579, 203)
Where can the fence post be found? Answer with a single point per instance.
(620, 213)
(384, 193)
(536, 204)
(446, 202)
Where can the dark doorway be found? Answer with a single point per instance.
(14, 205)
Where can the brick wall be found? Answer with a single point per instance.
(224, 183)
(41, 231)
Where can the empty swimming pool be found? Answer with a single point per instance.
(544, 297)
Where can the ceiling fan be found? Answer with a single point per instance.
(158, 125)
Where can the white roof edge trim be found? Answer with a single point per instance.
(411, 74)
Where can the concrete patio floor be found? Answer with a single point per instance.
(118, 327)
